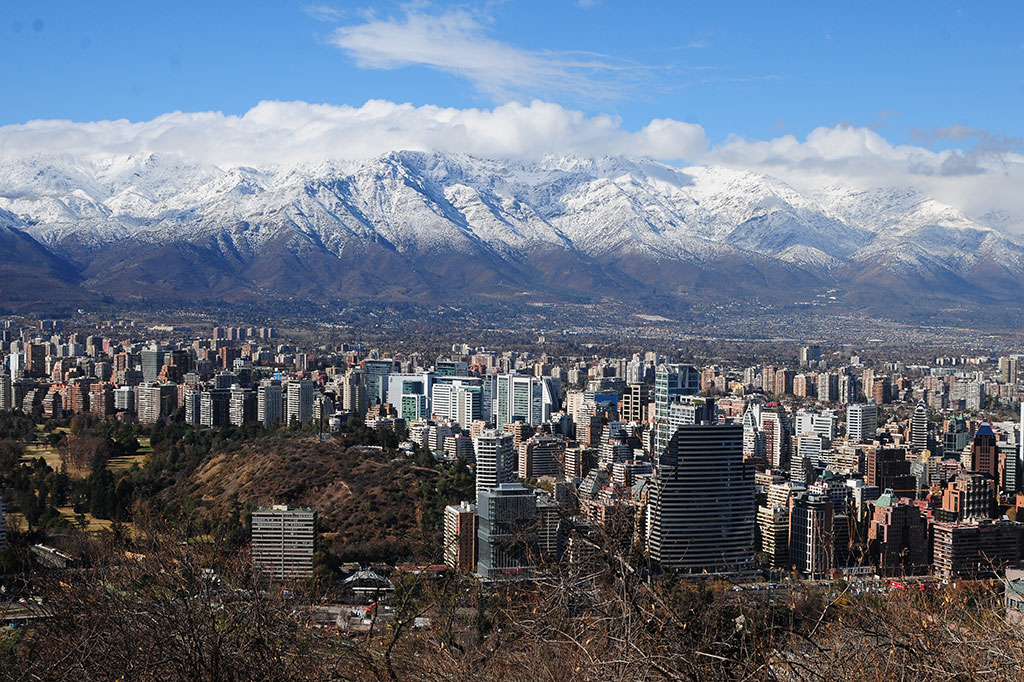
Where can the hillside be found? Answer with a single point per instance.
(369, 502)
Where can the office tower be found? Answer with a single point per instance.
(242, 406)
(451, 368)
(541, 455)
(670, 382)
(984, 452)
(956, 436)
(468, 404)
(152, 363)
(526, 398)
(970, 496)
(861, 422)
(702, 507)
(811, 548)
(495, 459)
(299, 401)
(283, 541)
(270, 402)
(460, 529)
(888, 469)
(506, 531)
(919, 427)
(898, 537)
(634, 403)
(377, 372)
(413, 406)
(773, 523)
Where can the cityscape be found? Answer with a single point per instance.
(506, 341)
(833, 470)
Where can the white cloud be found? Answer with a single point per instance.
(289, 132)
(455, 42)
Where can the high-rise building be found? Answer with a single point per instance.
(823, 423)
(861, 422)
(975, 550)
(633, 407)
(527, 398)
(7, 393)
(702, 507)
(495, 459)
(919, 427)
(299, 401)
(970, 496)
(270, 402)
(541, 455)
(215, 407)
(810, 355)
(773, 524)
(848, 389)
(3, 526)
(506, 532)
(242, 406)
(283, 541)
(777, 437)
(154, 401)
(811, 547)
(670, 382)
(355, 398)
(152, 363)
(984, 452)
(889, 469)
(377, 372)
(124, 399)
(898, 536)
(460, 537)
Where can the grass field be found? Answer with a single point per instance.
(116, 464)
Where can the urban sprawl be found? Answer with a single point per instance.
(823, 468)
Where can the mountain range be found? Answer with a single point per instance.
(413, 226)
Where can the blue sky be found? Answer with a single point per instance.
(913, 95)
(756, 70)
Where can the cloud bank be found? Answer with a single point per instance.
(984, 180)
(290, 132)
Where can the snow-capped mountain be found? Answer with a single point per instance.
(418, 225)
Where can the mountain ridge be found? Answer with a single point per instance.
(422, 226)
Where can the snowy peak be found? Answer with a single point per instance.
(498, 222)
